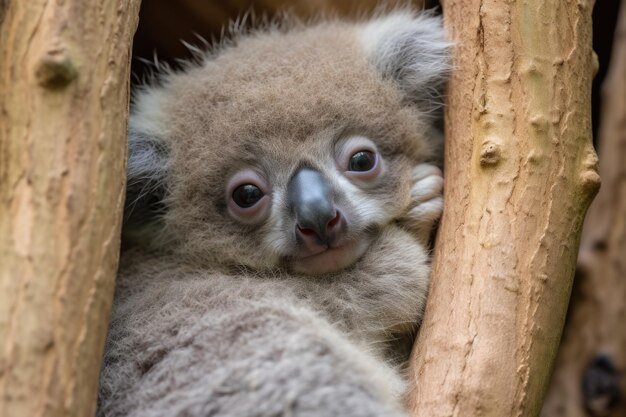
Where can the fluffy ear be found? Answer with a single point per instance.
(147, 159)
(411, 49)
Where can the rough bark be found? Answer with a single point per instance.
(63, 108)
(594, 340)
(520, 172)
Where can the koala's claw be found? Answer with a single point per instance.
(426, 200)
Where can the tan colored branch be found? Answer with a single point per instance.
(597, 316)
(64, 70)
(520, 173)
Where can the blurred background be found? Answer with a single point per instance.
(590, 372)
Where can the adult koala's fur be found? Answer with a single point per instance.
(210, 318)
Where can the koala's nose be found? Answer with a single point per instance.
(317, 220)
(319, 237)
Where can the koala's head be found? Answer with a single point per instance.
(290, 148)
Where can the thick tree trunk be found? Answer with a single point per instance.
(63, 107)
(593, 350)
(520, 173)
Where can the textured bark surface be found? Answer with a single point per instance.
(597, 316)
(63, 107)
(520, 173)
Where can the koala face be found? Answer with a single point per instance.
(291, 149)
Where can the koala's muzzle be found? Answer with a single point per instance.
(318, 223)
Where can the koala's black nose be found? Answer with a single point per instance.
(310, 197)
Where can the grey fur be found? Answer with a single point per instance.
(146, 173)
(192, 342)
(413, 52)
(210, 318)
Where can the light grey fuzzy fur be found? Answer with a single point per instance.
(208, 320)
(412, 51)
(192, 342)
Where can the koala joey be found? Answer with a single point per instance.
(281, 194)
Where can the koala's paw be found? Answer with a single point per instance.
(426, 200)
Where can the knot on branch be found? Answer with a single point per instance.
(490, 154)
(56, 69)
(590, 179)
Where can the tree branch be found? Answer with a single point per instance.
(64, 71)
(593, 351)
(520, 172)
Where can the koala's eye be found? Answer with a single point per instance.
(247, 195)
(362, 161)
(359, 160)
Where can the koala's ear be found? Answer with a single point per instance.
(146, 176)
(148, 159)
(411, 49)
